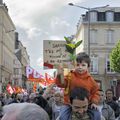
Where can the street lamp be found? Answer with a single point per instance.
(88, 9)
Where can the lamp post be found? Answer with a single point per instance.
(88, 9)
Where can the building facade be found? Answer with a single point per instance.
(104, 34)
(7, 46)
(23, 57)
(17, 76)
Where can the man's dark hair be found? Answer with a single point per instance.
(79, 93)
(109, 90)
(39, 100)
(82, 56)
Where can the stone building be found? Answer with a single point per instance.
(104, 34)
(7, 46)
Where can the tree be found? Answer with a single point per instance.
(71, 48)
(115, 58)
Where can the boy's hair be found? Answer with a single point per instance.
(82, 56)
(79, 93)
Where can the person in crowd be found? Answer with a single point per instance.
(57, 104)
(7, 99)
(79, 77)
(40, 90)
(106, 111)
(55, 99)
(49, 94)
(109, 100)
(31, 97)
(49, 91)
(25, 97)
(20, 97)
(24, 111)
(14, 99)
(79, 98)
(42, 102)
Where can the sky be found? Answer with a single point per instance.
(38, 20)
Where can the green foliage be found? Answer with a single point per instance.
(67, 40)
(72, 57)
(78, 43)
(71, 47)
(115, 58)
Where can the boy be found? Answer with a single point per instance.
(78, 78)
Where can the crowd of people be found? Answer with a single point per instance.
(75, 96)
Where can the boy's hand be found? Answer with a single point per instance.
(60, 73)
(94, 106)
(59, 69)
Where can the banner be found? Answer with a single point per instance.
(33, 75)
(49, 79)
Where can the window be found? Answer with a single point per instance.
(94, 65)
(110, 36)
(93, 36)
(109, 16)
(108, 69)
(16, 71)
(101, 16)
(93, 16)
(117, 16)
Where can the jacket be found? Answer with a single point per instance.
(85, 80)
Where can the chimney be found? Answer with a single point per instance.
(5, 6)
(16, 36)
(16, 40)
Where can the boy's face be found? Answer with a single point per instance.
(82, 67)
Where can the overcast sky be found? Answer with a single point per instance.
(38, 20)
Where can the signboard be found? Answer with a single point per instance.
(55, 54)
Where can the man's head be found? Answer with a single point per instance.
(109, 94)
(24, 111)
(79, 100)
(83, 62)
(102, 96)
(58, 96)
(31, 97)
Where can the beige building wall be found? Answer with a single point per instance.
(25, 60)
(17, 76)
(100, 48)
(7, 43)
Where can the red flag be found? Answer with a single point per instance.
(49, 79)
(9, 89)
(34, 87)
